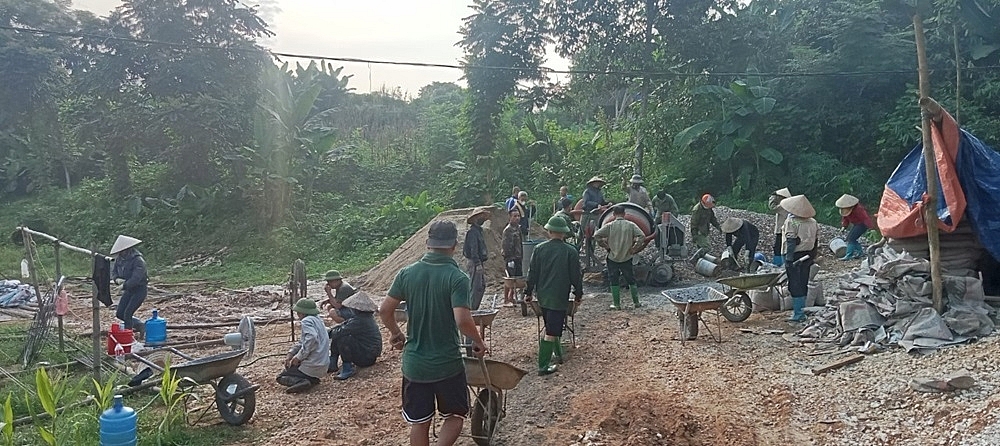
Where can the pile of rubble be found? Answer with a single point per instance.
(889, 303)
(13, 293)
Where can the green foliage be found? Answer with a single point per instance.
(7, 429)
(104, 394)
(50, 393)
(172, 396)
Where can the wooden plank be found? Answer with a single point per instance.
(837, 364)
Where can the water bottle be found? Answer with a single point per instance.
(118, 425)
(25, 272)
(156, 329)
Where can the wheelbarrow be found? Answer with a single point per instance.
(487, 380)
(738, 306)
(518, 283)
(689, 307)
(235, 397)
(569, 324)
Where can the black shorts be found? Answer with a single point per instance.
(554, 321)
(516, 271)
(450, 394)
(798, 275)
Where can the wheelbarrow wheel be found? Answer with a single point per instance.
(737, 308)
(235, 402)
(485, 416)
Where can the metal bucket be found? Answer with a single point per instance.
(527, 249)
(710, 258)
(705, 268)
(838, 246)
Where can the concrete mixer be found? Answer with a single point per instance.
(657, 270)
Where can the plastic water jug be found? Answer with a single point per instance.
(156, 329)
(118, 425)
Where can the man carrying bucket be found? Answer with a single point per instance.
(437, 295)
(130, 267)
(554, 269)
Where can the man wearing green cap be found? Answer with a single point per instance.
(438, 305)
(337, 291)
(554, 270)
(309, 358)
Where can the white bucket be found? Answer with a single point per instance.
(705, 268)
(838, 246)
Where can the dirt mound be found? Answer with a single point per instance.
(646, 418)
(379, 278)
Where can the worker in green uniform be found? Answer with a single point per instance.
(438, 301)
(702, 215)
(554, 271)
(622, 239)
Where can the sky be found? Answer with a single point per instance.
(398, 30)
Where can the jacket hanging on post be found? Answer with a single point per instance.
(102, 279)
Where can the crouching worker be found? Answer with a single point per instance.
(307, 361)
(357, 340)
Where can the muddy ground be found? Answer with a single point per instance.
(629, 381)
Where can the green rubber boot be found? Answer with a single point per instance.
(635, 295)
(616, 297)
(798, 303)
(545, 357)
(850, 252)
(558, 350)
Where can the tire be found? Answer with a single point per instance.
(688, 326)
(485, 415)
(737, 308)
(662, 275)
(235, 411)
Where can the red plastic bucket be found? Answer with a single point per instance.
(118, 337)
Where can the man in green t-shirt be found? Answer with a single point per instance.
(437, 295)
(555, 268)
(622, 239)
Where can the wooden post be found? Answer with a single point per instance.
(96, 324)
(32, 271)
(62, 343)
(930, 207)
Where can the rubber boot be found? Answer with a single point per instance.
(859, 252)
(545, 357)
(778, 260)
(850, 252)
(635, 295)
(798, 303)
(300, 386)
(346, 371)
(558, 350)
(616, 297)
(332, 368)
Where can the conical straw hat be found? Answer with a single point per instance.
(783, 192)
(361, 302)
(731, 225)
(846, 201)
(481, 210)
(596, 179)
(799, 206)
(124, 242)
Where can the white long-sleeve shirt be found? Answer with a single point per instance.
(314, 348)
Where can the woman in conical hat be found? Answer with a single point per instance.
(780, 214)
(358, 340)
(852, 212)
(130, 266)
(801, 236)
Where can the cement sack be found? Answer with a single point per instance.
(814, 297)
(765, 300)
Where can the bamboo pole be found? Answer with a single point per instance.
(930, 206)
(62, 342)
(95, 324)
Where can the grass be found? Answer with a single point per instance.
(80, 426)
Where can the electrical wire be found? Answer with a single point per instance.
(544, 70)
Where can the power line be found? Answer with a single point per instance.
(621, 73)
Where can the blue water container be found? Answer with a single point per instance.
(118, 425)
(156, 329)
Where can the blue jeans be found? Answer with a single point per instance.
(856, 232)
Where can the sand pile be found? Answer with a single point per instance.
(379, 278)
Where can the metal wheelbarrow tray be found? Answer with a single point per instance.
(690, 303)
(739, 306)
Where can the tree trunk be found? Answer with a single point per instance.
(121, 177)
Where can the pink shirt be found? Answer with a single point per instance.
(858, 216)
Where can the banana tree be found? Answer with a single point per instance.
(743, 110)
